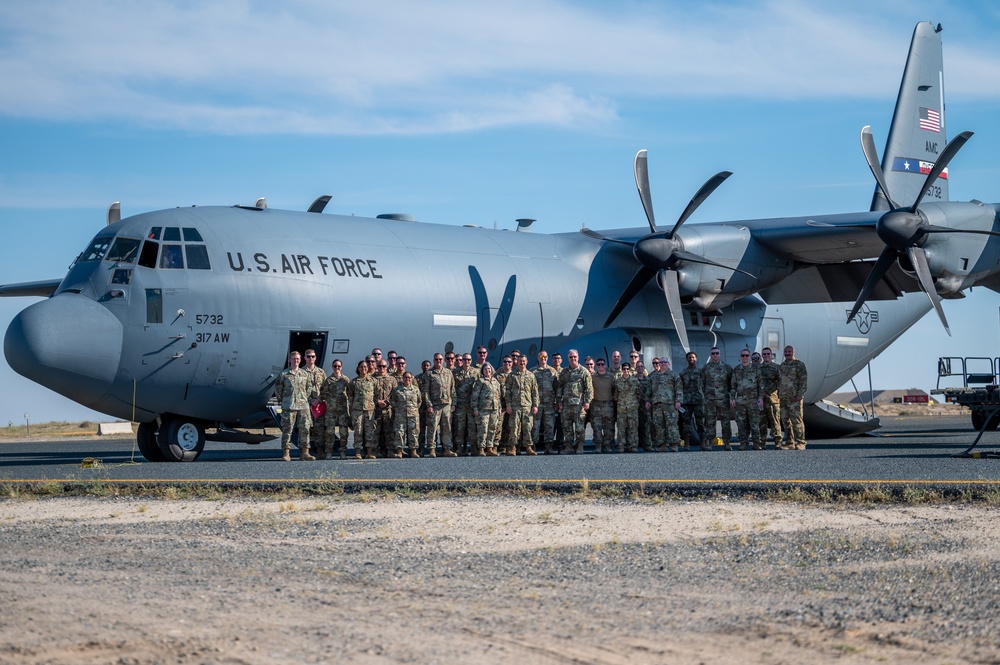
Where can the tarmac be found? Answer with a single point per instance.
(906, 452)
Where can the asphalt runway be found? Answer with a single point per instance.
(911, 450)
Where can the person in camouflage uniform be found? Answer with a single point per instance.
(692, 418)
(574, 394)
(645, 436)
(558, 368)
(485, 400)
(503, 430)
(602, 408)
(317, 376)
(615, 370)
(744, 399)
(463, 431)
(406, 400)
(338, 413)
(545, 421)
(438, 397)
(292, 389)
(665, 397)
(628, 392)
(791, 391)
(770, 380)
(361, 393)
(385, 430)
(425, 371)
(715, 379)
(522, 405)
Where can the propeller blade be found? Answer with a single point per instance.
(590, 233)
(879, 270)
(673, 293)
(641, 278)
(949, 151)
(706, 190)
(681, 255)
(642, 183)
(919, 260)
(871, 156)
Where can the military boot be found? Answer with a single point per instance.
(304, 454)
(492, 452)
(530, 450)
(548, 449)
(478, 452)
(286, 454)
(448, 452)
(414, 454)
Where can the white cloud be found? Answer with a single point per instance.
(314, 67)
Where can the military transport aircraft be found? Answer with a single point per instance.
(182, 319)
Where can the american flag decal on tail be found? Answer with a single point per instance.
(930, 120)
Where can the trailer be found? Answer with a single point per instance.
(978, 390)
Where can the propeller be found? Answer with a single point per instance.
(659, 253)
(904, 229)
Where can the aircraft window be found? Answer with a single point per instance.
(171, 257)
(121, 276)
(154, 306)
(197, 257)
(123, 251)
(172, 233)
(192, 235)
(147, 257)
(154, 233)
(97, 249)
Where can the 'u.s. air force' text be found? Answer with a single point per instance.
(300, 264)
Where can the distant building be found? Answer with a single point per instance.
(910, 396)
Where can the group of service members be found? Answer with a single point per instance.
(469, 408)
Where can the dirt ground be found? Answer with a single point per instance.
(494, 580)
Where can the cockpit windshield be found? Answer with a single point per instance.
(124, 250)
(97, 249)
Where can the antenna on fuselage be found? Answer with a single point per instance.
(115, 212)
(260, 203)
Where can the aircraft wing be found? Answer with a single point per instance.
(837, 282)
(820, 239)
(42, 289)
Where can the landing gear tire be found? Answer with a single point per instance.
(979, 418)
(145, 439)
(181, 439)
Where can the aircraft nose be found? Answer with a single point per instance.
(69, 344)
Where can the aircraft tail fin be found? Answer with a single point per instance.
(917, 134)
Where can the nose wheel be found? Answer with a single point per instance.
(180, 439)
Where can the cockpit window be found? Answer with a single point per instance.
(97, 249)
(171, 233)
(154, 233)
(197, 257)
(172, 257)
(123, 251)
(192, 235)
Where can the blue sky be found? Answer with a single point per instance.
(466, 114)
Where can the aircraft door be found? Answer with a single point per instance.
(302, 341)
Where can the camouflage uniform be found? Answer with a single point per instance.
(338, 413)
(715, 379)
(464, 424)
(545, 420)
(745, 391)
(317, 433)
(770, 379)
(645, 438)
(485, 400)
(292, 389)
(522, 397)
(422, 383)
(385, 430)
(439, 393)
(665, 389)
(406, 411)
(361, 392)
(628, 392)
(503, 428)
(575, 389)
(692, 421)
(602, 412)
(791, 391)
